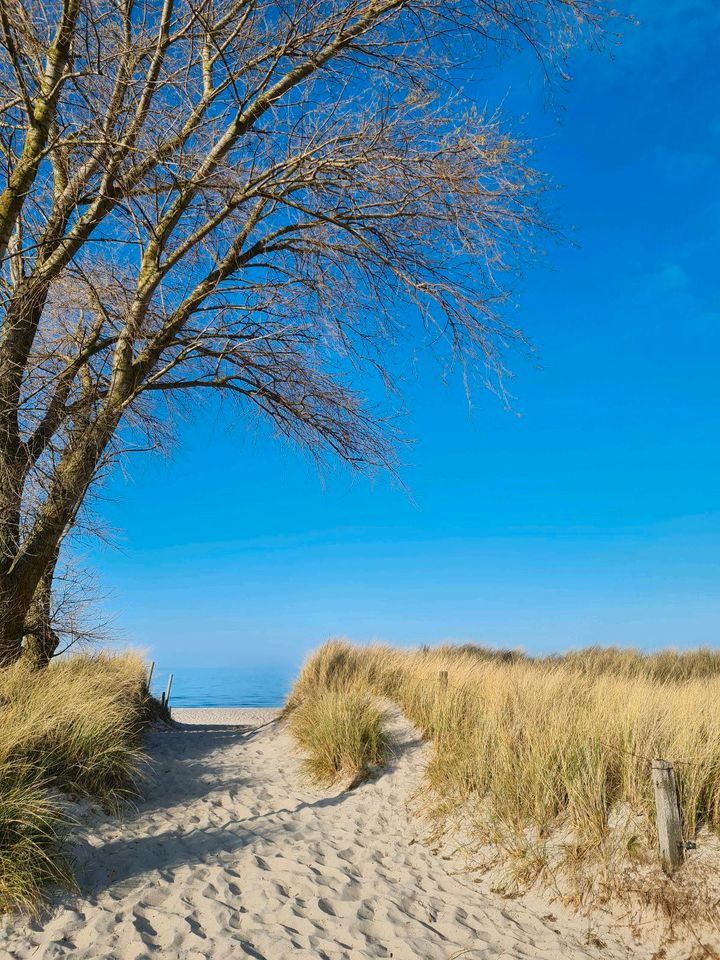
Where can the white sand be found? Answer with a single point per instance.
(230, 855)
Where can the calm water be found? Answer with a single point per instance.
(252, 686)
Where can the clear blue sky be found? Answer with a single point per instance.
(590, 514)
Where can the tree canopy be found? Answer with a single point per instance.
(252, 197)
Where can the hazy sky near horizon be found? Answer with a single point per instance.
(590, 513)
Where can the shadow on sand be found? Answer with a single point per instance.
(183, 771)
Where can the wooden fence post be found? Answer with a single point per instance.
(150, 673)
(667, 810)
(167, 692)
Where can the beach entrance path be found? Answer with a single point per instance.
(231, 855)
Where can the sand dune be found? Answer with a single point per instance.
(230, 854)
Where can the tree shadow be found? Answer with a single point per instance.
(118, 863)
(181, 765)
(185, 769)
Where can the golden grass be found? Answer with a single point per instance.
(548, 759)
(73, 729)
(341, 733)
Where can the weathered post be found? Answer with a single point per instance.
(167, 692)
(150, 674)
(667, 810)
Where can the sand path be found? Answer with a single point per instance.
(231, 855)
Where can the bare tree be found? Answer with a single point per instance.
(237, 196)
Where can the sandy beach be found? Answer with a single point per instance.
(230, 854)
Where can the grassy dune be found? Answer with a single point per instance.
(547, 760)
(341, 733)
(73, 729)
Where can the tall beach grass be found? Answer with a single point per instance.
(341, 733)
(548, 760)
(72, 730)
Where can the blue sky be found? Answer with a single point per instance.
(588, 514)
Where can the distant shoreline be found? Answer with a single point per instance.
(184, 705)
(230, 716)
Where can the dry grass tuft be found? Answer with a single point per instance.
(548, 759)
(71, 729)
(341, 732)
(33, 827)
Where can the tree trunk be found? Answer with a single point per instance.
(12, 613)
(26, 577)
(12, 619)
(16, 592)
(40, 640)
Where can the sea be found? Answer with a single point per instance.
(262, 685)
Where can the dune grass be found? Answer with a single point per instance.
(33, 828)
(70, 730)
(547, 760)
(341, 734)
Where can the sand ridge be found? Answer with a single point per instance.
(231, 854)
